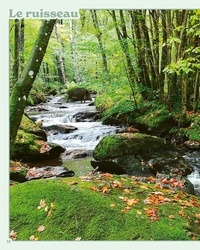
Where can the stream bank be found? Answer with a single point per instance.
(81, 141)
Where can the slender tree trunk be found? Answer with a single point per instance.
(23, 86)
(21, 45)
(196, 91)
(60, 58)
(123, 40)
(17, 51)
(99, 37)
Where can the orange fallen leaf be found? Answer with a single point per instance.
(94, 188)
(197, 215)
(181, 213)
(131, 202)
(116, 184)
(152, 213)
(107, 175)
(105, 190)
(41, 228)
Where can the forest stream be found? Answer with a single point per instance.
(87, 135)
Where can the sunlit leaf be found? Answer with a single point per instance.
(132, 202)
(113, 205)
(171, 216)
(127, 191)
(197, 216)
(32, 237)
(49, 213)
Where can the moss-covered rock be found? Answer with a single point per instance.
(101, 207)
(140, 155)
(31, 143)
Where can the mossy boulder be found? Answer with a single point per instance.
(140, 155)
(31, 143)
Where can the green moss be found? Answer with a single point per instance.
(113, 146)
(26, 142)
(74, 210)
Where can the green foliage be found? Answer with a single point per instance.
(193, 131)
(154, 116)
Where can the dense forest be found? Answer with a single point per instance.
(154, 54)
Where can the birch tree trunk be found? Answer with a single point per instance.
(23, 86)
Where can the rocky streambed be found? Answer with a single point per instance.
(74, 126)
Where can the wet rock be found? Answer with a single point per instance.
(48, 172)
(61, 128)
(36, 109)
(192, 144)
(86, 116)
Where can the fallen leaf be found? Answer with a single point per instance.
(49, 213)
(112, 205)
(181, 213)
(41, 228)
(127, 191)
(32, 237)
(152, 213)
(73, 183)
(13, 235)
(42, 204)
(78, 239)
(105, 189)
(107, 175)
(132, 202)
(139, 212)
(197, 215)
(94, 188)
(171, 216)
(52, 205)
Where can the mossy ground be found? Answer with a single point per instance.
(101, 207)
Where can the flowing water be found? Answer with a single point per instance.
(88, 134)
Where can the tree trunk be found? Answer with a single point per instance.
(23, 86)
(99, 37)
(123, 40)
(16, 53)
(60, 58)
